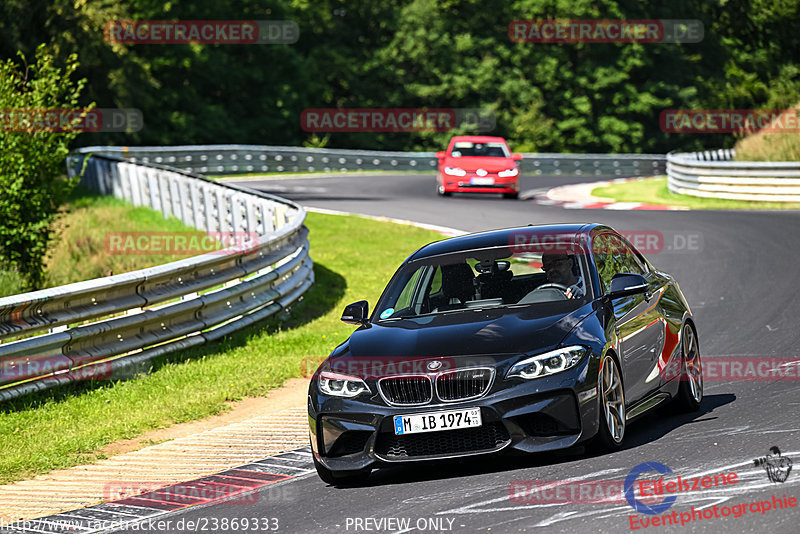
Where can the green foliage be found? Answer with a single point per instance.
(577, 97)
(655, 191)
(32, 162)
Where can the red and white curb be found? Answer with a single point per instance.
(239, 485)
(579, 196)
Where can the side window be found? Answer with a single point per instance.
(634, 259)
(604, 259)
(404, 300)
(436, 283)
(613, 255)
(627, 260)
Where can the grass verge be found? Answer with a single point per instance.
(353, 259)
(655, 191)
(762, 146)
(78, 250)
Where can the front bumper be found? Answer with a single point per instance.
(463, 184)
(538, 415)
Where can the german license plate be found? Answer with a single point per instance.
(436, 421)
(482, 181)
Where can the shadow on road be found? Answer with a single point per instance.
(646, 430)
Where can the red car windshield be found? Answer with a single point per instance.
(463, 149)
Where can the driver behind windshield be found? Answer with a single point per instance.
(562, 269)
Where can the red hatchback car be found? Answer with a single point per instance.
(478, 164)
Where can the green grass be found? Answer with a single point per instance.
(69, 426)
(761, 146)
(11, 283)
(78, 249)
(655, 191)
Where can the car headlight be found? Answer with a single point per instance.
(455, 171)
(508, 172)
(548, 363)
(338, 385)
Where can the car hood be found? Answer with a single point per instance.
(492, 335)
(470, 163)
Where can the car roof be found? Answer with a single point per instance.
(499, 238)
(479, 138)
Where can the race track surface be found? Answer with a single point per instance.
(738, 271)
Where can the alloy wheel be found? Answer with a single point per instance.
(691, 362)
(613, 399)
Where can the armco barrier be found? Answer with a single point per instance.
(104, 327)
(237, 159)
(712, 174)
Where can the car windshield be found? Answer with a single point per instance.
(463, 149)
(484, 278)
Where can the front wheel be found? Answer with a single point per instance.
(612, 406)
(690, 390)
(442, 193)
(341, 478)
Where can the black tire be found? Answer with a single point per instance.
(513, 196)
(690, 390)
(611, 431)
(341, 478)
(441, 192)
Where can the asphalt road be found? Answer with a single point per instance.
(739, 272)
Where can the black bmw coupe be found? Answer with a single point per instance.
(529, 339)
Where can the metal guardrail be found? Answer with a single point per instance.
(235, 159)
(106, 327)
(712, 174)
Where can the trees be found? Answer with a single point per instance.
(32, 187)
(422, 53)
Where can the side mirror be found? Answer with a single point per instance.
(440, 155)
(356, 313)
(626, 284)
(516, 157)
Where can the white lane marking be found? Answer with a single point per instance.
(468, 509)
(294, 188)
(750, 480)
